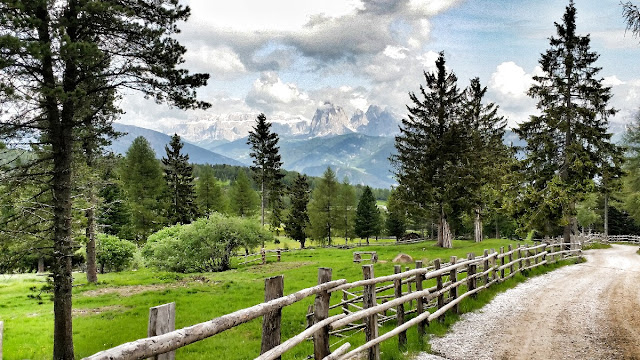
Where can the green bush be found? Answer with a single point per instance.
(113, 253)
(204, 245)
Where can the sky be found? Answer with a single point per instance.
(288, 57)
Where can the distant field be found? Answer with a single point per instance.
(115, 311)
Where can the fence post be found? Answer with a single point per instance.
(471, 272)
(279, 254)
(263, 253)
(273, 289)
(519, 258)
(321, 312)
(436, 265)
(371, 322)
(310, 316)
(345, 307)
(419, 301)
(162, 319)
(453, 277)
(485, 268)
(502, 263)
(536, 252)
(510, 259)
(544, 256)
(409, 289)
(397, 287)
(528, 258)
(494, 261)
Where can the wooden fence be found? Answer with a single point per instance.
(260, 257)
(410, 298)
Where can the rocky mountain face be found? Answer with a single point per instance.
(331, 120)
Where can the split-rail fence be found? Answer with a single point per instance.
(362, 305)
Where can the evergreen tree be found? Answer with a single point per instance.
(244, 200)
(631, 15)
(432, 165)
(487, 151)
(63, 55)
(323, 214)
(298, 219)
(396, 222)
(568, 144)
(209, 194)
(346, 208)
(179, 177)
(145, 189)
(367, 222)
(266, 164)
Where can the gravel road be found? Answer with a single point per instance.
(583, 311)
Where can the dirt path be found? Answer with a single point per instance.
(585, 311)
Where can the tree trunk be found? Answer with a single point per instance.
(444, 232)
(606, 215)
(92, 269)
(40, 264)
(478, 226)
(497, 228)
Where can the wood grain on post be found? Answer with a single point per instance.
(420, 301)
(345, 307)
(371, 322)
(510, 259)
(453, 278)
(162, 319)
(409, 288)
(502, 263)
(397, 287)
(321, 312)
(310, 316)
(436, 265)
(471, 272)
(485, 265)
(273, 289)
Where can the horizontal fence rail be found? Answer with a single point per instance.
(364, 305)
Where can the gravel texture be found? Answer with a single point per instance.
(583, 311)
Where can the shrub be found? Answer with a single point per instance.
(204, 245)
(113, 253)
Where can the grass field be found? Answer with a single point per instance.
(115, 310)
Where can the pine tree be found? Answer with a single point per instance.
(298, 219)
(244, 200)
(266, 163)
(568, 144)
(631, 15)
(209, 194)
(322, 207)
(179, 177)
(145, 189)
(487, 151)
(396, 222)
(432, 164)
(346, 208)
(367, 222)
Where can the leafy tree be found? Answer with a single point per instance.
(204, 245)
(266, 164)
(396, 222)
(298, 219)
(568, 144)
(586, 211)
(323, 214)
(209, 194)
(145, 189)
(244, 200)
(367, 216)
(113, 253)
(179, 177)
(56, 58)
(346, 208)
(432, 165)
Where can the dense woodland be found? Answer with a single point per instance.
(67, 202)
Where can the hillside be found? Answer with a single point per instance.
(158, 141)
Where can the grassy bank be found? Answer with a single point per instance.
(116, 310)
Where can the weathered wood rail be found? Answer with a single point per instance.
(410, 298)
(260, 257)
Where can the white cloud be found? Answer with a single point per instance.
(396, 52)
(612, 81)
(510, 80)
(220, 61)
(432, 7)
(269, 93)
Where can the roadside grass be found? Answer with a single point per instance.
(596, 245)
(115, 310)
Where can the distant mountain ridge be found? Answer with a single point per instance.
(158, 141)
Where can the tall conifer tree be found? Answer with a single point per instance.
(432, 164)
(266, 164)
(297, 222)
(178, 174)
(243, 199)
(567, 144)
(346, 208)
(322, 207)
(368, 221)
(209, 194)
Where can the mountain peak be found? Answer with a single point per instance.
(330, 119)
